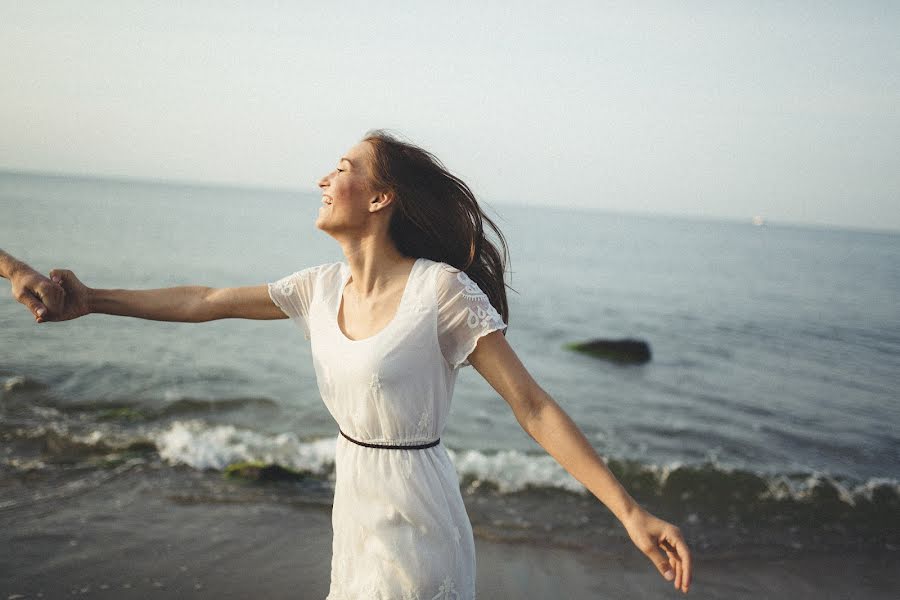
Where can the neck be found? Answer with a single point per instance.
(375, 270)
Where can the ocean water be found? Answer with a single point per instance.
(769, 411)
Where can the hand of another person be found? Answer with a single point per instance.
(39, 294)
(649, 533)
(76, 293)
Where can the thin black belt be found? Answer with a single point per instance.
(392, 446)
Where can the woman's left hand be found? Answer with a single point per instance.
(649, 533)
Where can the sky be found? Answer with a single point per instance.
(787, 110)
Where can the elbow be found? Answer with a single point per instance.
(533, 410)
(202, 308)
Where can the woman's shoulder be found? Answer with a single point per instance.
(315, 272)
(438, 272)
(436, 265)
(331, 268)
(447, 280)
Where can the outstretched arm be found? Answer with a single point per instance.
(543, 419)
(187, 304)
(29, 287)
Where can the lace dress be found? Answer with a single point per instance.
(401, 531)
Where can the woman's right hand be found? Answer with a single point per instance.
(76, 300)
(650, 534)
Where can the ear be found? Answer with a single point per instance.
(382, 201)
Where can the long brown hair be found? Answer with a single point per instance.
(437, 216)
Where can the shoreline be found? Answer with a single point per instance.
(141, 534)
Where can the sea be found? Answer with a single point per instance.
(767, 420)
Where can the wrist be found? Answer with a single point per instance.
(631, 512)
(13, 268)
(91, 298)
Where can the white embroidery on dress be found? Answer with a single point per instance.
(419, 306)
(392, 515)
(484, 313)
(375, 383)
(484, 316)
(472, 320)
(422, 425)
(472, 291)
(447, 591)
(359, 408)
(286, 286)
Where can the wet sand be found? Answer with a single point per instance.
(149, 533)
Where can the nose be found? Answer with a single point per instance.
(323, 182)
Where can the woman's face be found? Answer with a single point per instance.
(347, 192)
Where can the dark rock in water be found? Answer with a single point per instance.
(620, 351)
(260, 471)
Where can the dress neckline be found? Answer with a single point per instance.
(345, 275)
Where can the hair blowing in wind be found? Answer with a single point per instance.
(438, 216)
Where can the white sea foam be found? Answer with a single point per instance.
(203, 446)
(214, 447)
(512, 470)
(11, 383)
(782, 487)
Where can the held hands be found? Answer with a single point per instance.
(649, 533)
(60, 297)
(37, 293)
(76, 294)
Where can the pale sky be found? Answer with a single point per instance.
(789, 110)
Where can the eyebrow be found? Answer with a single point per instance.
(348, 160)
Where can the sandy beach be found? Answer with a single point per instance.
(146, 532)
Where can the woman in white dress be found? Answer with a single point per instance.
(421, 294)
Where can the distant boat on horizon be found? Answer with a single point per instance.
(758, 220)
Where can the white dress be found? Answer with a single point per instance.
(401, 531)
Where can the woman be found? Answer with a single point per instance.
(421, 294)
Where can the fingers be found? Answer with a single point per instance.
(653, 536)
(679, 575)
(682, 549)
(52, 295)
(43, 297)
(675, 563)
(61, 275)
(30, 302)
(661, 562)
(676, 549)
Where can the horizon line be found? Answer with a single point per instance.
(576, 208)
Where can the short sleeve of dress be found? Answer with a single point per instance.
(293, 295)
(464, 315)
